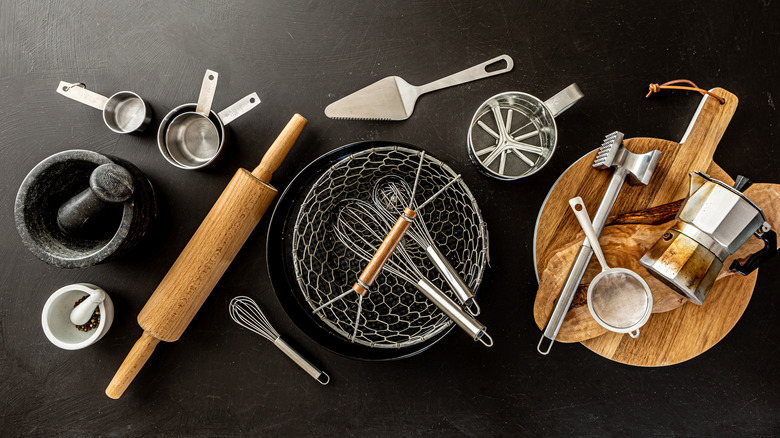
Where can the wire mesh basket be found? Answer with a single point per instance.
(395, 314)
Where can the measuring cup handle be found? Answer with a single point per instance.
(564, 99)
(468, 75)
(239, 108)
(634, 334)
(79, 93)
(207, 90)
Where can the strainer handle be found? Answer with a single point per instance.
(582, 216)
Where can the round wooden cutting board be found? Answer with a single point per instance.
(684, 330)
(677, 330)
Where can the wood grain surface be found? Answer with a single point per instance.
(667, 341)
(383, 253)
(684, 331)
(206, 257)
(669, 183)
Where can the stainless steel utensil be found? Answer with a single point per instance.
(392, 98)
(391, 195)
(246, 313)
(380, 255)
(513, 135)
(714, 222)
(400, 225)
(191, 145)
(619, 299)
(640, 168)
(361, 228)
(191, 135)
(397, 319)
(124, 112)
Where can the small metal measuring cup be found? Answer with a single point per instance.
(619, 299)
(124, 112)
(191, 136)
(513, 134)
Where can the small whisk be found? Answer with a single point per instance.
(358, 228)
(246, 313)
(390, 195)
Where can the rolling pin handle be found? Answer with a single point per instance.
(278, 151)
(135, 360)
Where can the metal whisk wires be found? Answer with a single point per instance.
(360, 227)
(377, 262)
(389, 195)
(386, 249)
(246, 313)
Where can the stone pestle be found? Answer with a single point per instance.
(109, 185)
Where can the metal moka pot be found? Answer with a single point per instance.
(713, 222)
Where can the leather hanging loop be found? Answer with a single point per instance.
(655, 88)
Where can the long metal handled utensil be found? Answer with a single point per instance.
(640, 168)
(619, 299)
(391, 194)
(246, 313)
(392, 98)
(360, 227)
(388, 246)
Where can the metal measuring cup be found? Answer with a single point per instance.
(619, 299)
(124, 112)
(191, 136)
(513, 135)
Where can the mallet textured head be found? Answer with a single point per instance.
(613, 153)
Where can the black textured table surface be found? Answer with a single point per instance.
(220, 380)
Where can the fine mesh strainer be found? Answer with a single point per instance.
(619, 299)
(397, 319)
(513, 135)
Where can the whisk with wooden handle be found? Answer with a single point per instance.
(389, 243)
(246, 313)
(389, 195)
(360, 228)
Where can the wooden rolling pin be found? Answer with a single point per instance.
(206, 257)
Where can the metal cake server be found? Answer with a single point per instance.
(392, 98)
